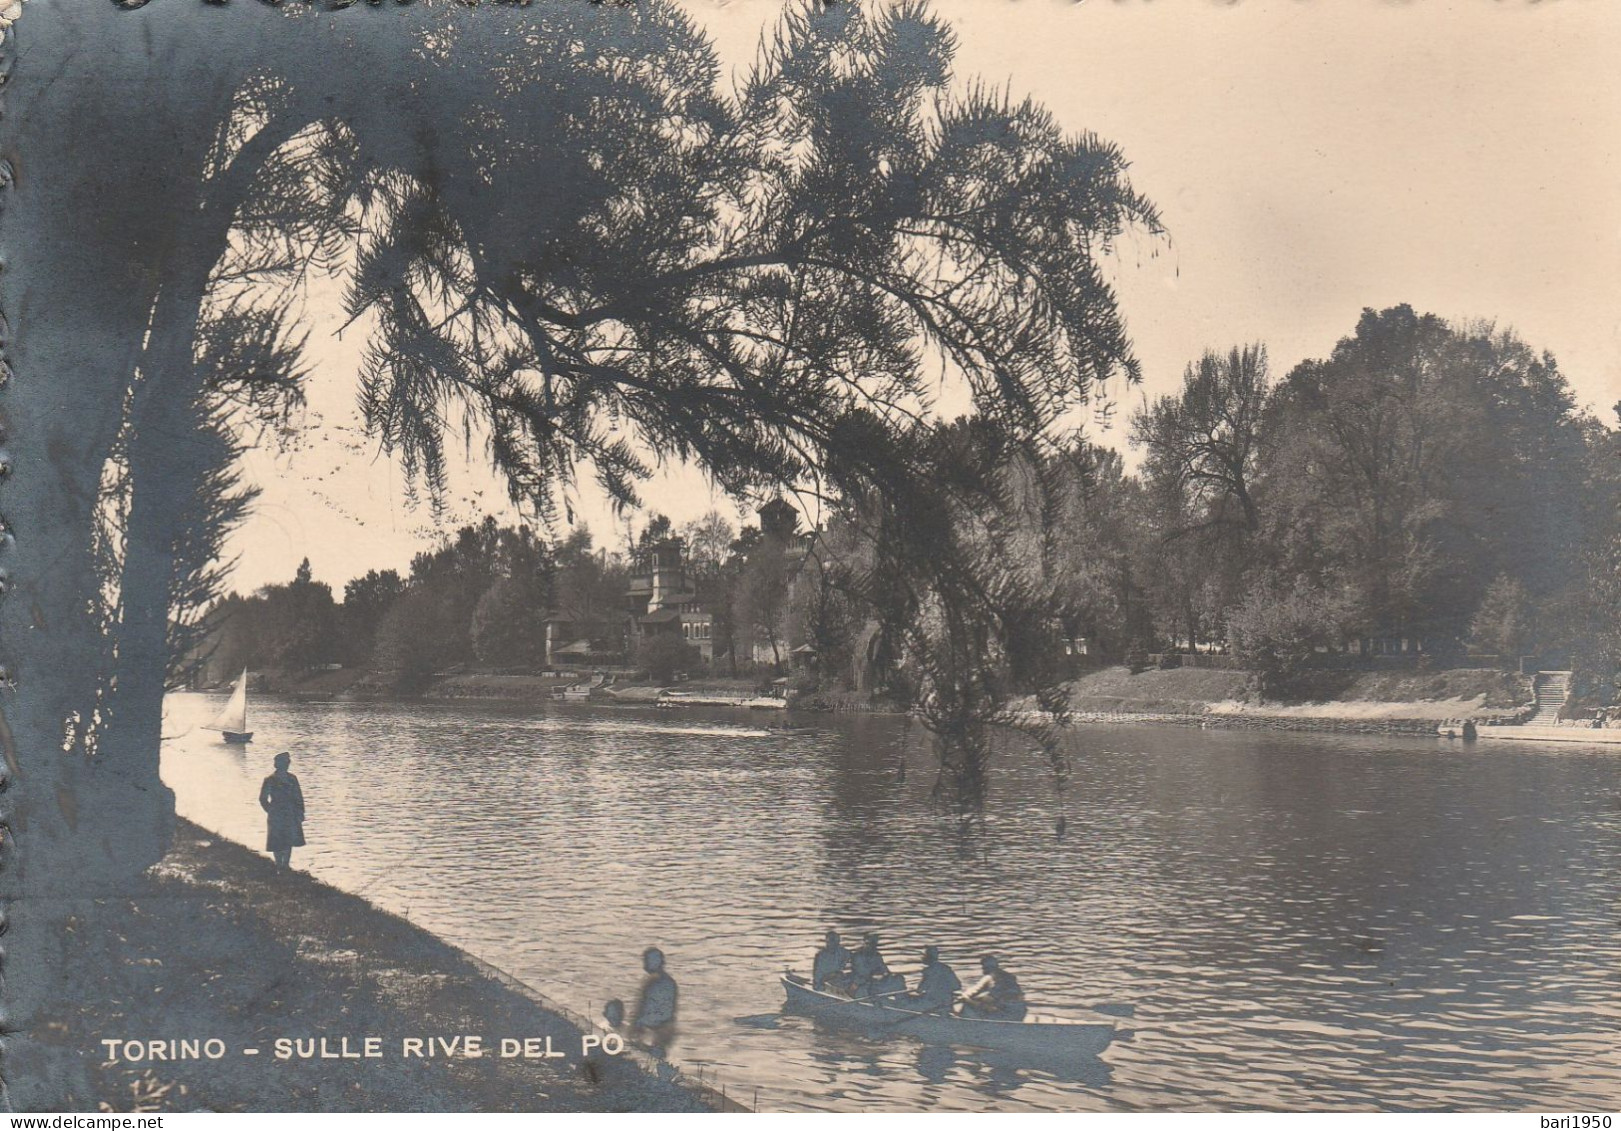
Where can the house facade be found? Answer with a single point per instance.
(579, 640)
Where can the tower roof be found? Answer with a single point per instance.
(778, 517)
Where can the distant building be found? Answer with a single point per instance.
(779, 525)
(575, 640)
(661, 599)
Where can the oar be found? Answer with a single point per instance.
(913, 1012)
(899, 1017)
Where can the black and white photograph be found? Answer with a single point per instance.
(832, 556)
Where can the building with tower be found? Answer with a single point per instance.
(661, 599)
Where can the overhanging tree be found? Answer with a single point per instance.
(572, 244)
(843, 224)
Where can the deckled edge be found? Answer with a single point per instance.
(10, 12)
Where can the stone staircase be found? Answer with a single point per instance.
(1551, 690)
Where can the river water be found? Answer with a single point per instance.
(1277, 920)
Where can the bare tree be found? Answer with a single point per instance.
(1207, 437)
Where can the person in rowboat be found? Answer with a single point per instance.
(937, 986)
(870, 973)
(830, 970)
(995, 997)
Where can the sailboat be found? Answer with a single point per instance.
(233, 721)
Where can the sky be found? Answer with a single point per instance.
(1308, 160)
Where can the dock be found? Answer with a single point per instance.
(1586, 735)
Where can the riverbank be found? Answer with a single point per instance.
(472, 685)
(1357, 703)
(214, 942)
(1347, 702)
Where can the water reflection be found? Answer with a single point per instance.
(1291, 921)
(935, 1062)
(1003, 1073)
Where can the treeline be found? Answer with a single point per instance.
(1427, 488)
(482, 597)
(1426, 483)
(484, 591)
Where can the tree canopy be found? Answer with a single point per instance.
(571, 245)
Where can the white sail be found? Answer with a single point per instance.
(235, 716)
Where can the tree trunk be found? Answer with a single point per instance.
(95, 206)
(169, 455)
(76, 291)
(107, 112)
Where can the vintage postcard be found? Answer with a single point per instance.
(802, 556)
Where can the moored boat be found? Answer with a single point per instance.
(1035, 1035)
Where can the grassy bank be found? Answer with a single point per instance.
(214, 942)
(1359, 700)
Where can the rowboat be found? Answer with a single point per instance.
(1035, 1035)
